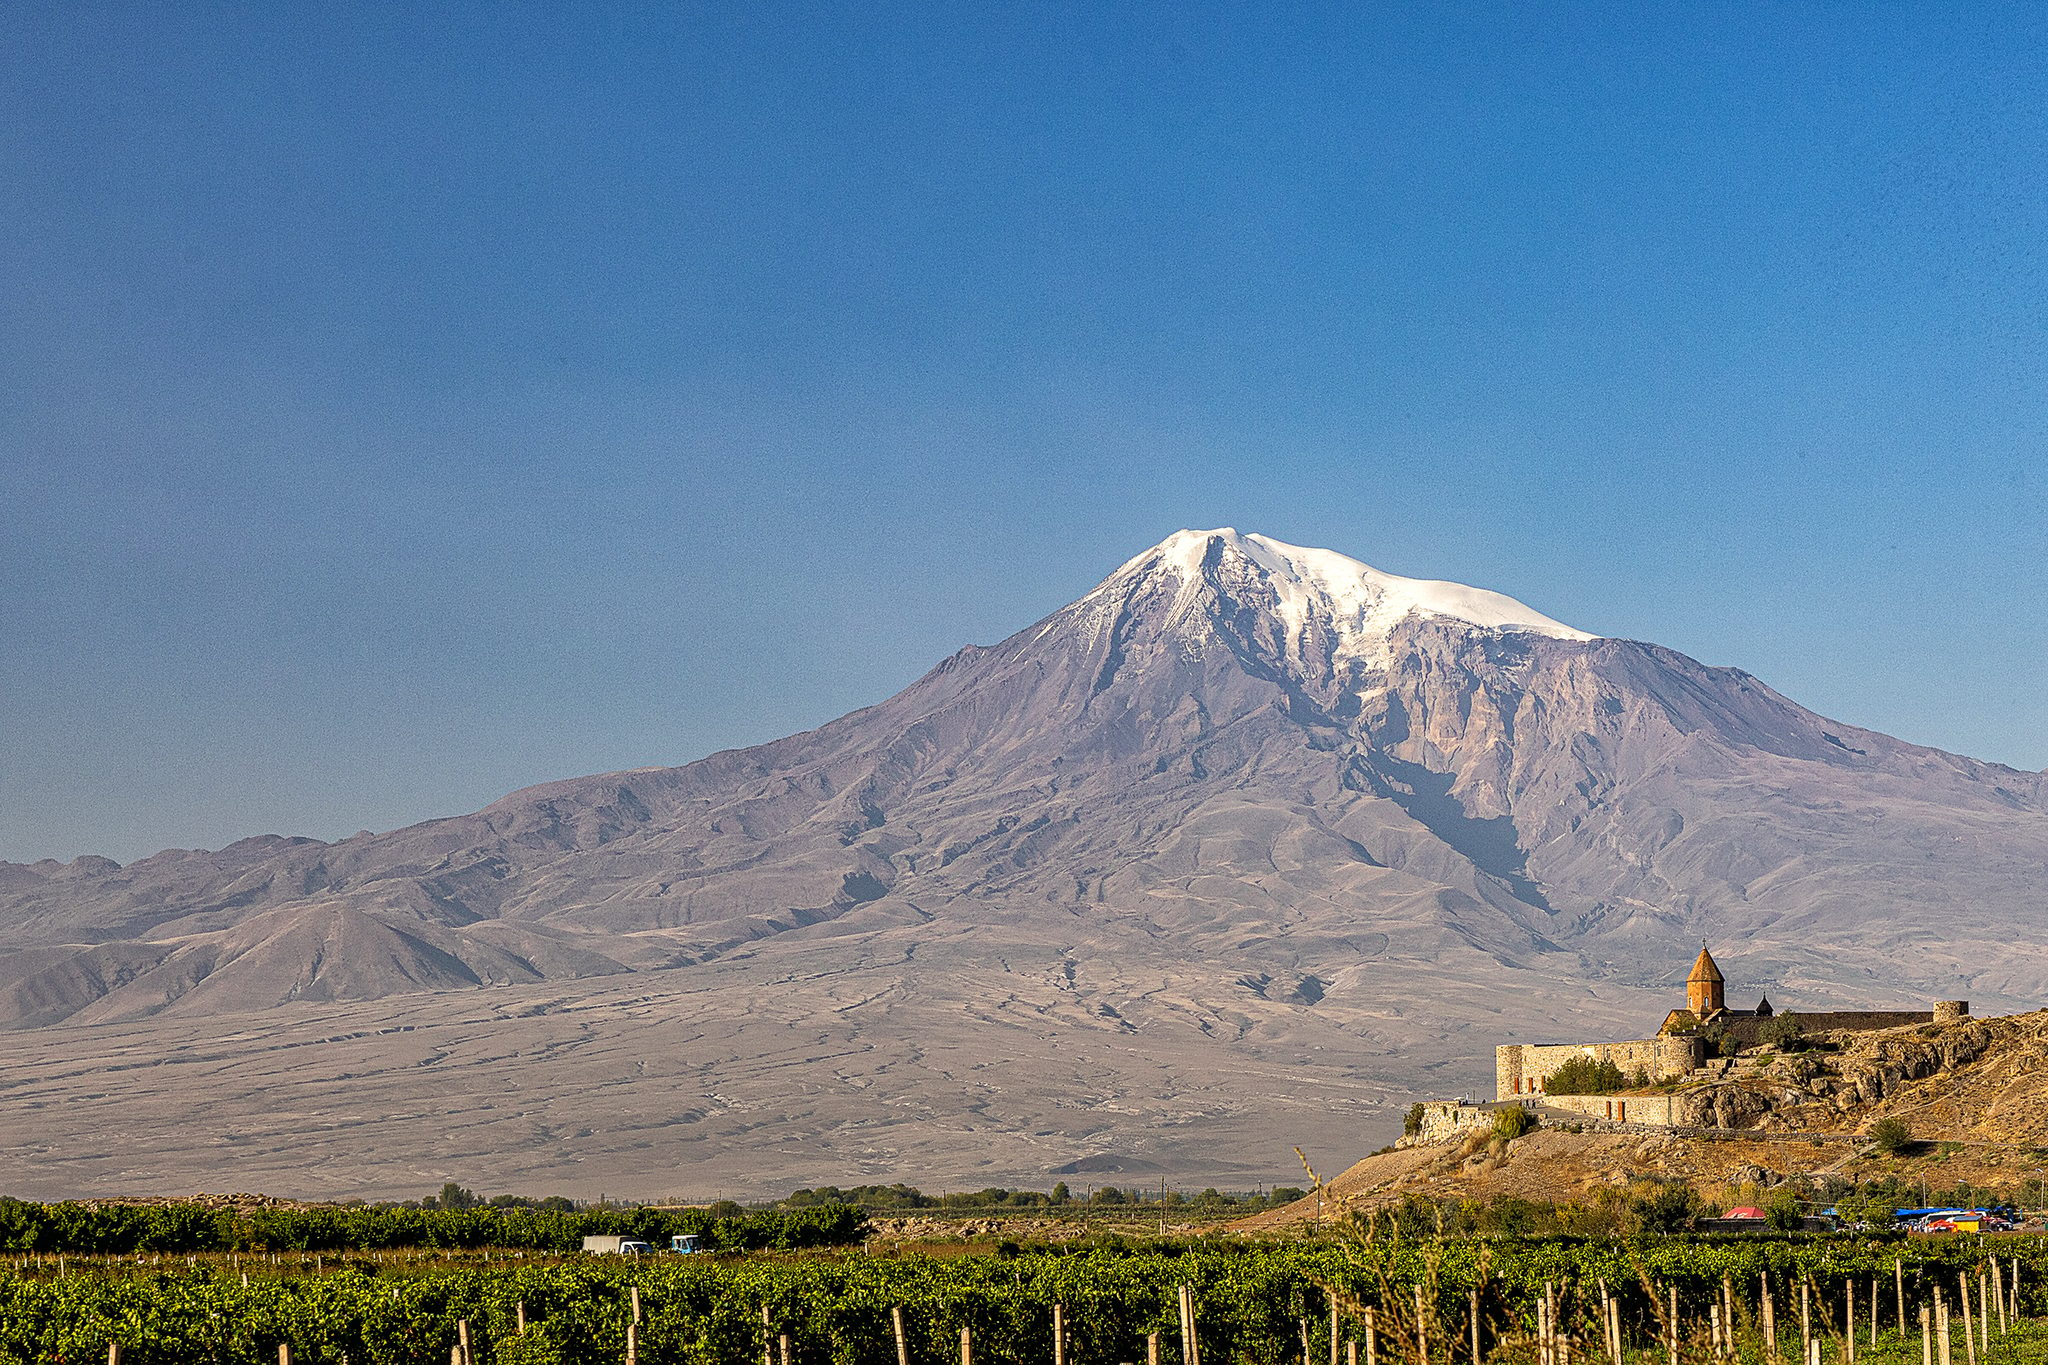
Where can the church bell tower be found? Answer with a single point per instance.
(1703, 989)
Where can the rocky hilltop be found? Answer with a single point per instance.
(1974, 1096)
(1244, 809)
(1979, 1081)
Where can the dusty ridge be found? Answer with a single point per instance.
(1982, 1084)
(1229, 854)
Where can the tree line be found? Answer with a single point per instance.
(120, 1229)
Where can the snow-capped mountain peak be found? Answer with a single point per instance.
(1358, 604)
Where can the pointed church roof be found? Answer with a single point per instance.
(1704, 969)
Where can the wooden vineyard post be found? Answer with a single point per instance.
(1475, 1327)
(1372, 1343)
(1728, 1312)
(113, 1353)
(767, 1337)
(462, 1341)
(1769, 1313)
(1333, 1334)
(1998, 1293)
(636, 1305)
(1805, 1319)
(1421, 1326)
(966, 1347)
(1873, 1315)
(1899, 1290)
(1671, 1323)
(1351, 1353)
(1849, 1322)
(1926, 1338)
(1059, 1335)
(1187, 1328)
(902, 1347)
(1984, 1312)
(782, 1345)
(520, 1310)
(1301, 1329)
(1151, 1348)
(632, 1343)
(1969, 1326)
(284, 1353)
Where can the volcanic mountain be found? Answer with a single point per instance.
(1265, 792)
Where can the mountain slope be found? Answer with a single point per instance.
(1246, 746)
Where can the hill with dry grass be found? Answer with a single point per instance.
(1973, 1094)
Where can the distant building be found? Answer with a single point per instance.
(1706, 1001)
(1683, 1044)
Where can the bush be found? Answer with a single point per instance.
(1411, 1122)
(1584, 1076)
(1892, 1136)
(1512, 1122)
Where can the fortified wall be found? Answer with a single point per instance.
(1522, 1068)
(1748, 1030)
(1445, 1119)
(1682, 1045)
(1662, 1110)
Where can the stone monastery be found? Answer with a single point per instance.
(1706, 1028)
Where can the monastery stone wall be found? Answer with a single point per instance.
(1521, 1068)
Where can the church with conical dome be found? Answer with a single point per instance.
(1706, 1027)
(1706, 1000)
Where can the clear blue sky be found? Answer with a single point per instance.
(401, 405)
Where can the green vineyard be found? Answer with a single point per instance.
(1545, 1302)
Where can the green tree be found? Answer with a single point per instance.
(1783, 1211)
(1665, 1207)
(452, 1196)
(1785, 1031)
(1893, 1136)
(1411, 1122)
(1865, 1210)
(1585, 1076)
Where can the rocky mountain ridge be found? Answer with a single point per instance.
(1243, 833)
(1215, 743)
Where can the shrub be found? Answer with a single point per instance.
(1512, 1122)
(1411, 1122)
(1892, 1136)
